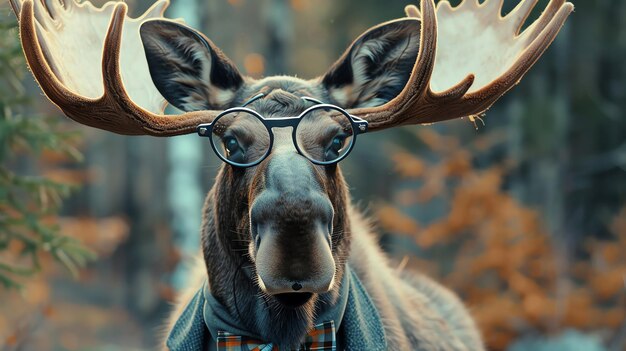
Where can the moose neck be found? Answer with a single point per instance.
(231, 273)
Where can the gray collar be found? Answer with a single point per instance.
(218, 318)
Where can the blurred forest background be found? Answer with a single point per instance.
(524, 216)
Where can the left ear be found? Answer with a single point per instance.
(377, 65)
(187, 68)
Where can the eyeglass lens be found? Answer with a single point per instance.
(324, 135)
(240, 138)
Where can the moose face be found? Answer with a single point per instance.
(287, 213)
(287, 210)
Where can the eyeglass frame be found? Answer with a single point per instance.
(359, 126)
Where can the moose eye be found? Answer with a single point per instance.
(240, 138)
(234, 151)
(231, 145)
(338, 142)
(334, 150)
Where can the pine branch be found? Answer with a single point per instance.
(27, 199)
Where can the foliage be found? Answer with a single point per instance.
(28, 203)
(496, 253)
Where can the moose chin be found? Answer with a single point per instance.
(288, 262)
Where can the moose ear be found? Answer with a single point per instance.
(376, 67)
(187, 68)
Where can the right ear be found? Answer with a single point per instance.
(187, 68)
(377, 66)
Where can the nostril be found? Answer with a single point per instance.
(296, 286)
(257, 241)
(255, 229)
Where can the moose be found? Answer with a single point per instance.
(289, 262)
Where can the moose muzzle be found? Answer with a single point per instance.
(291, 224)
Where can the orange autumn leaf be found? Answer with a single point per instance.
(436, 141)
(72, 176)
(12, 340)
(407, 165)
(458, 164)
(393, 220)
(523, 285)
(103, 235)
(406, 197)
(432, 235)
(614, 318)
(611, 253)
(538, 307)
(431, 188)
(607, 285)
(254, 63)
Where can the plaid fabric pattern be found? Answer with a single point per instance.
(321, 338)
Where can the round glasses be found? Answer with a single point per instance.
(325, 134)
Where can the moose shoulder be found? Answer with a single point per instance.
(289, 263)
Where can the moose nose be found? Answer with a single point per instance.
(291, 224)
(290, 262)
(292, 236)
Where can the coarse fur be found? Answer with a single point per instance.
(417, 313)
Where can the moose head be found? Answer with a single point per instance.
(278, 222)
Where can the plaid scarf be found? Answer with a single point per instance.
(321, 338)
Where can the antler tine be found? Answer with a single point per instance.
(418, 104)
(521, 12)
(114, 110)
(157, 9)
(546, 17)
(495, 5)
(456, 92)
(54, 90)
(111, 75)
(425, 63)
(412, 11)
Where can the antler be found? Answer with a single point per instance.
(64, 46)
(469, 56)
